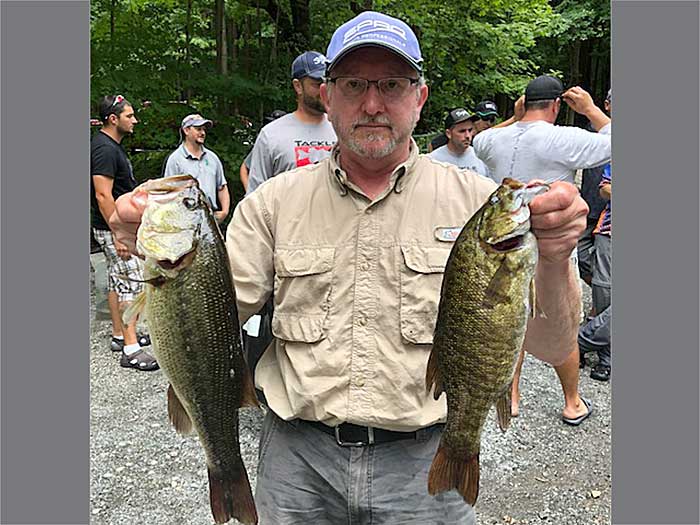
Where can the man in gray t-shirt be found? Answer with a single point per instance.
(459, 129)
(299, 138)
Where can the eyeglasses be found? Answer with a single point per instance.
(391, 88)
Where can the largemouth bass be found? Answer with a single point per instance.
(190, 306)
(487, 295)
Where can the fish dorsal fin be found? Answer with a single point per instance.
(178, 416)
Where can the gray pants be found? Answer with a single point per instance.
(594, 336)
(304, 477)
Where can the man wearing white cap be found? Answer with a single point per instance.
(192, 158)
(349, 249)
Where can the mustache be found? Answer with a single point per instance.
(381, 119)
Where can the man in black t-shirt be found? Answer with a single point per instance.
(111, 175)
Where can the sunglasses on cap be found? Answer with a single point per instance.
(117, 100)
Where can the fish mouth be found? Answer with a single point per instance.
(177, 264)
(509, 244)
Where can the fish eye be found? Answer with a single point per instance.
(494, 199)
(189, 203)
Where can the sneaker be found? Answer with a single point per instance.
(600, 372)
(116, 345)
(139, 360)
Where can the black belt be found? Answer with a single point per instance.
(349, 435)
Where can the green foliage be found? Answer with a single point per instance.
(473, 49)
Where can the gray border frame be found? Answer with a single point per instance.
(43, 221)
(655, 264)
(44, 262)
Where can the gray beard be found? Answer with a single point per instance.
(359, 149)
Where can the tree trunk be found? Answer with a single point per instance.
(188, 38)
(301, 21)
(574, 61)
(112, 25)
(220, 30)
(360, 6)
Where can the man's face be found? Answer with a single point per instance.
(481, 124)
(125, 121)
(310, 97)
(460, 135)
(195, 134)
(373, 125)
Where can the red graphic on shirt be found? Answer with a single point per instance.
(306, 155)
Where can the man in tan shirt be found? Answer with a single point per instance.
(354, 249)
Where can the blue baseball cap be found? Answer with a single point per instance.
(309, 64)
(375, 29)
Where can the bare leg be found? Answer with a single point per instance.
(568, 373)
(113, 302)
(515, 387)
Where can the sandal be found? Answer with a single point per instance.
(139, 360)
(600, 373)
(576, 421)
(116, 345)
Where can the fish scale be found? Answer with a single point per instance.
(484, 307)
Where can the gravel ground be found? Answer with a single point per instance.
(540, 471)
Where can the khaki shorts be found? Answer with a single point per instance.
(125, 276)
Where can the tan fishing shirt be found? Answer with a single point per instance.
(356, 287)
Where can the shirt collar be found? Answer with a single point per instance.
(188, 155)
(397, 181)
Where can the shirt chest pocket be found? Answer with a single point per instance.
(303, 289)
(422, 269)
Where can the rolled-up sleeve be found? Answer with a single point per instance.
(249, 243)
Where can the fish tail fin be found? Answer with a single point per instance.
(178, 416)
(230, 496)
(448, 473)
(432, 375)
(503, 409)
(248, 396)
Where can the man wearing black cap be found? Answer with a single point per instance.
(534, 148)
(485, 115)
(459, 130)
(353, 249)
(299, 138)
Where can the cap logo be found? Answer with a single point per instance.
(460, 113)
(319, 60)
(367, 26)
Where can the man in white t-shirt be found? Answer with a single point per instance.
(532, 147)
(529, 146)
(459, 130)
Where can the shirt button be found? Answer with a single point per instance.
(362, 321)
(360, 383)
(368, 211)
(364, 267)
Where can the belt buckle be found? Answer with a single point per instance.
(339, 440)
